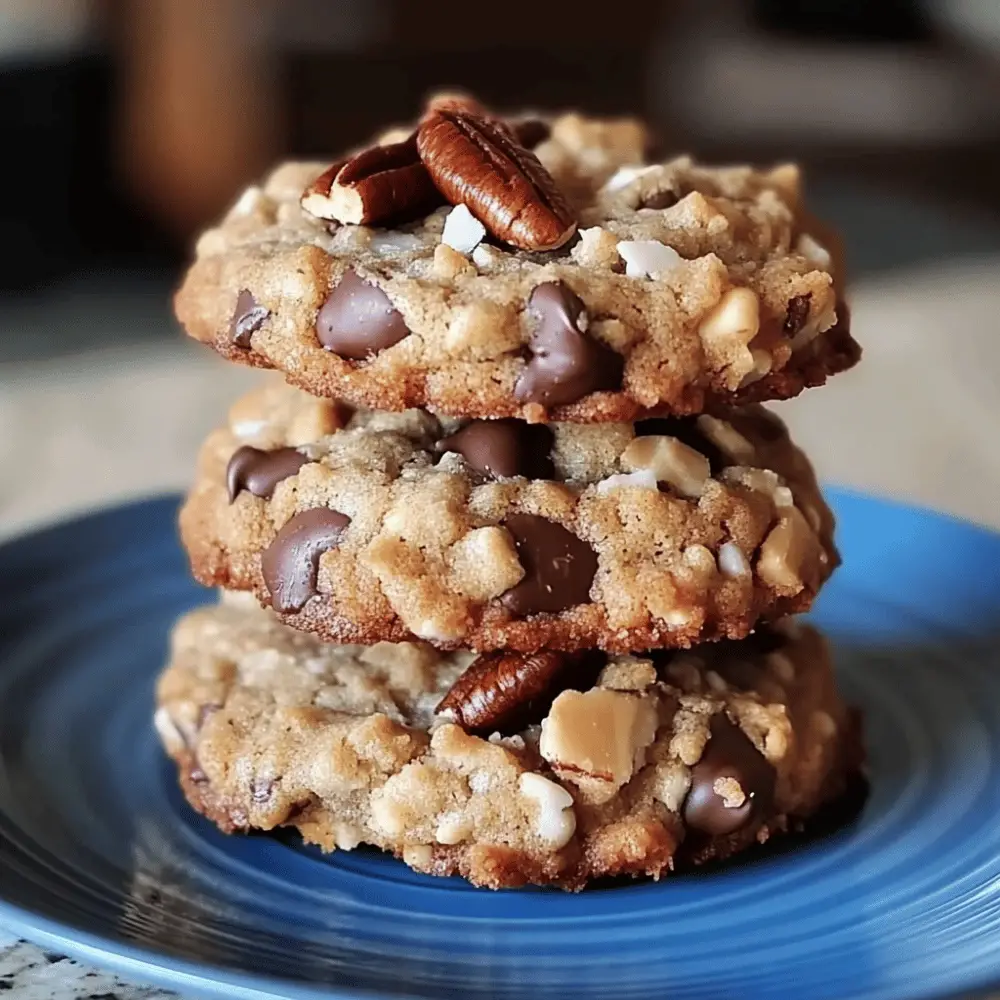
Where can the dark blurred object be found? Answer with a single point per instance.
(604, 82)
(551, 55)
(844, 20)
(62, 208)
(129, 134)
(198, 104)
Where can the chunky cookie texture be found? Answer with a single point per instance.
(362, 526)
(646, 763)
(569, 281)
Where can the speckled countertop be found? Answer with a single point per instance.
(30, 973)
(917, 420)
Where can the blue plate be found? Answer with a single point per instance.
(101, 858)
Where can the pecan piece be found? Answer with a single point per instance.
(316, 198)
(380, 185)
(477, 161)
(496, 688)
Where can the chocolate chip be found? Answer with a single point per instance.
(565, 365)
(358, 320)
(197, 775)
(728, 754)
(503, 448)
(290, 563)
(798, 313)
(558, 566)
(664, 198)
(248, 318)
(260, 471)
(686, 430)
(531, 131)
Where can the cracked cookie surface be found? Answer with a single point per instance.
(364, 526)
(670, 759)
(688, 287)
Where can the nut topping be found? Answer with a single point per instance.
(789, 556)
(496, 688)
(556, 820)
(382, 184)
(477, 161)
(316, 198)
(597, 740)
(671, 461)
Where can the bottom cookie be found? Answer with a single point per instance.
(629, 765)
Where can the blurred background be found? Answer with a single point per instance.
(127, 125)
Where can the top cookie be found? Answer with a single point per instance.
(477, 278)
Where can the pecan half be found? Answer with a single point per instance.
(496, 688)
(380, 185)
(478, 162)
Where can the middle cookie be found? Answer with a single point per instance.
(361, 526)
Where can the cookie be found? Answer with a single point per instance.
(363, 526)
(653, 762)
(574, 282)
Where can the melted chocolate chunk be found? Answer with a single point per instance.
(503, 448)
(566, 365)
(358, 320)
(260, 471)
(248, 317)
(290, 564)
(559, 567)
(798, 313)
(728, 754)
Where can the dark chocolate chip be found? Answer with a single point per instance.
(559, 567)
(664, 198)
(290, 563)
(798, 313)
(531, 131)
(248, 318)
(686, 430)
(503, 448)
(358, 320)
(260, 471)
(565, 365)
(728, 754)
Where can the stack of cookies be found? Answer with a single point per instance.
(507, 555)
